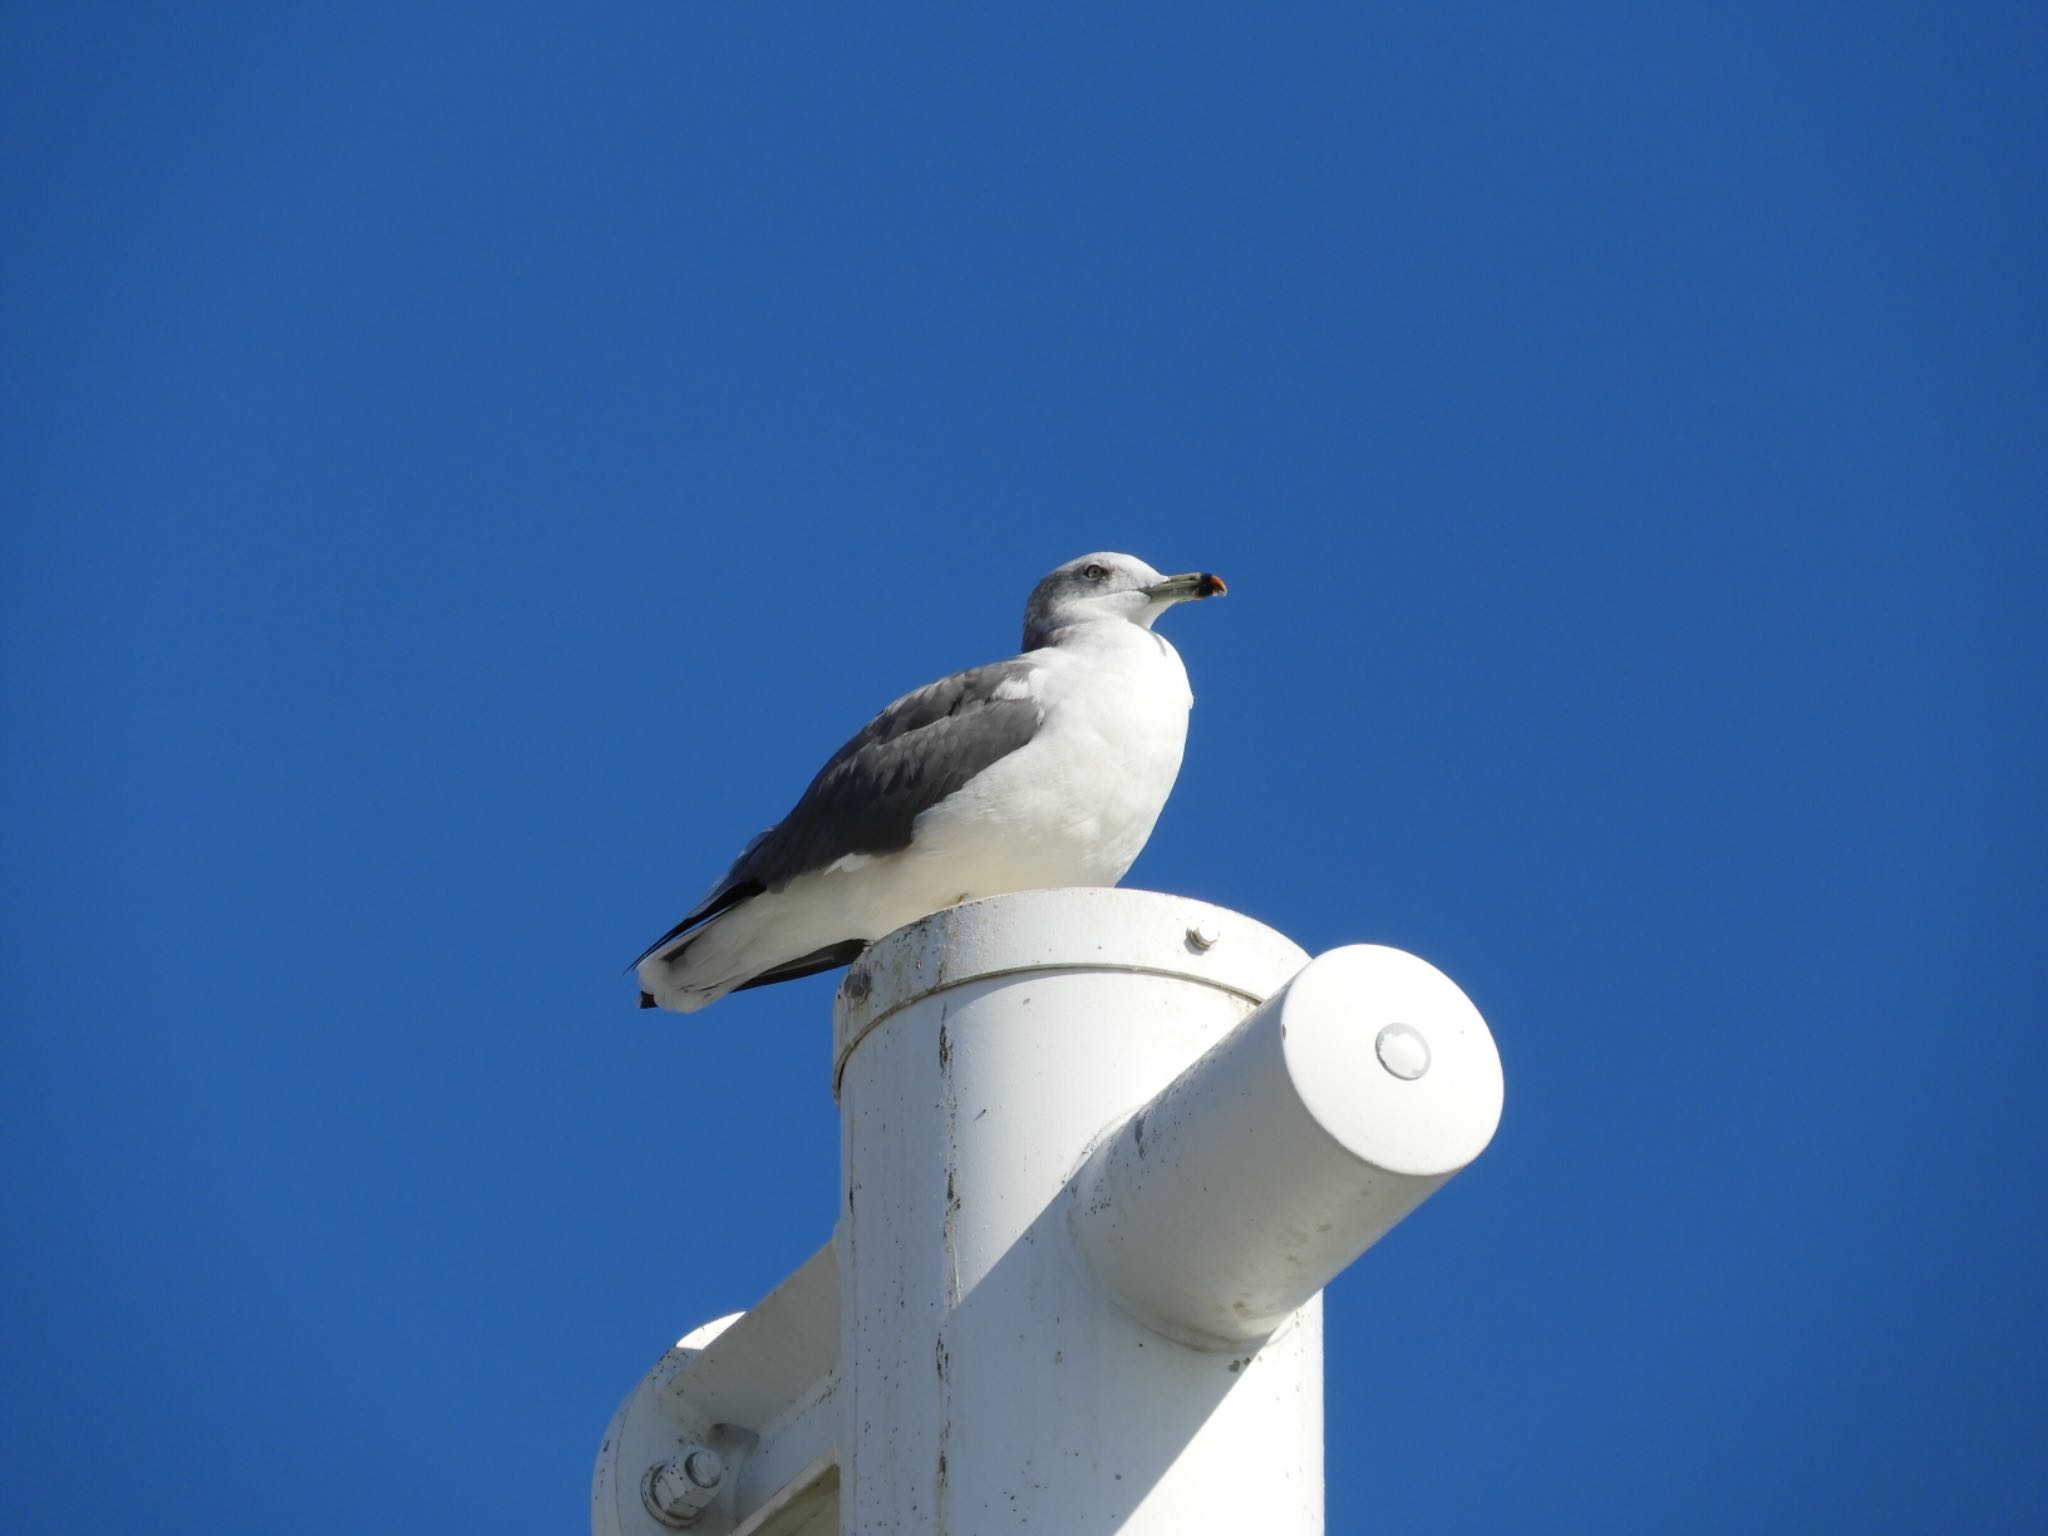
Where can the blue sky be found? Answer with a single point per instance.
(465, 466)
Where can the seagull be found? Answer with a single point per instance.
(1048, 769)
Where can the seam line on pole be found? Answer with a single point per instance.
(1036, 968)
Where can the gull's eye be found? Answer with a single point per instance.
(1095, 572)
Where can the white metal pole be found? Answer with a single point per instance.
(988, 1380)
(1100, 1151)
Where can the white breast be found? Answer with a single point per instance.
(1076, 804)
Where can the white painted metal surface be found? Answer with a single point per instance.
(989, 1381)
(1091, 1189)
(1263, 1170)
(757, 1389)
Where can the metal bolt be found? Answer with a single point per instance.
(679, 1490)
(1204, 935)
(1403, 1051)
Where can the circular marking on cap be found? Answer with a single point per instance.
(1403, 1051)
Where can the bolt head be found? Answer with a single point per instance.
(1204, 935)
(679, 1490)
(1403, 1051)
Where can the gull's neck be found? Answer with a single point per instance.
(1107, 639)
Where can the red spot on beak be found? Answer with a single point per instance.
(1211, 585)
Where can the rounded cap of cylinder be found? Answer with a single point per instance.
(1392, 1060)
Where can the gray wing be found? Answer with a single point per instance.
(915, 753)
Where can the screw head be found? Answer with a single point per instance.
(1403, 1051)
(1204, 935)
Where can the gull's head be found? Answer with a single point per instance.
(1108, 587)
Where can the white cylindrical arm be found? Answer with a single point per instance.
(1290, 1147)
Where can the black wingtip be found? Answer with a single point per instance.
(724, 901)
(646, 999)
(845, 952)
